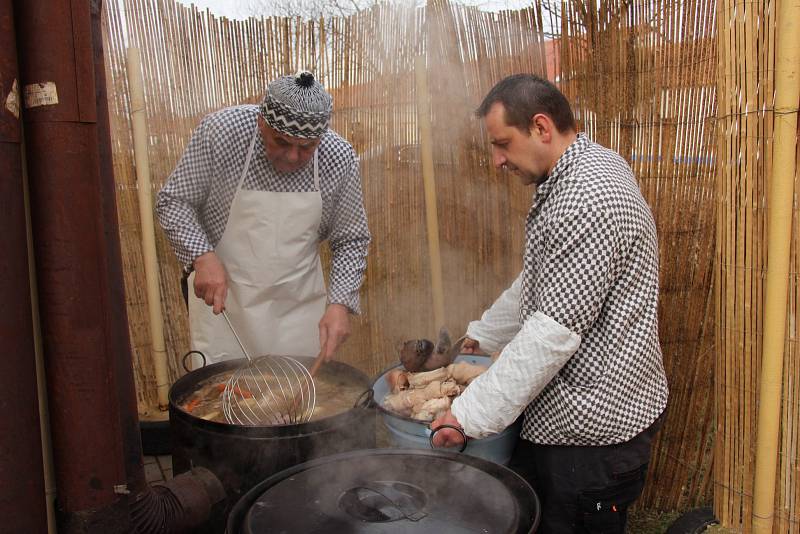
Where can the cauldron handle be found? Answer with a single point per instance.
(433, 433)
(370, 393)
(183, 361)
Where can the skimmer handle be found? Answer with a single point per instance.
(241, 345)
(318, 361)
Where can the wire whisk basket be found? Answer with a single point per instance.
(268, 390)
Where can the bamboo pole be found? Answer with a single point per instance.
(431, 215)
(779, 241)
(144, 190)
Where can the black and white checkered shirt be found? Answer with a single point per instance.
(589, 282)
(194, 204)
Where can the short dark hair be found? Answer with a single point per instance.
(526, 95)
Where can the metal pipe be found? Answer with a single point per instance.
(119, 339)
(41, 380)
(98, 448)
(779, 242)
(78, 274)
(22, 499)
(145, 192)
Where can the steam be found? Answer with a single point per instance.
(432, 492)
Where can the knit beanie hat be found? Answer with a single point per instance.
(297, 105)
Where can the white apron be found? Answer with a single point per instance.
(276, 290)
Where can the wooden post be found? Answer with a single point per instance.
(431, 215)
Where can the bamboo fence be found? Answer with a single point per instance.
(745, 124)
(641, 76)
(643, 79)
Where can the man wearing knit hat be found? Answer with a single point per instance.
(255, 192)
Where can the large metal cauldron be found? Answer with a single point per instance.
(386, 491)
(242, 456)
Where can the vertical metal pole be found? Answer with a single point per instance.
(77, 259)
(22, 498)
(117, 328)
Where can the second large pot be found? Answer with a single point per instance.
(388, 491)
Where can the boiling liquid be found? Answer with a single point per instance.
(335, 393)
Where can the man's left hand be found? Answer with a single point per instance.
(334, 329)
(447, 437)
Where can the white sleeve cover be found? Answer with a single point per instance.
(500, 323)
(528, 363)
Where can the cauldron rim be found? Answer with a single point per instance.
(189, 381)
(504, 474)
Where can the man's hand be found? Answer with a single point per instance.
(470, 346)
(211, 281)
(447, 437)
(334, 329)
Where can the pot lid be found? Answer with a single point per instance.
(392, 490)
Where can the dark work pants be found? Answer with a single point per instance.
(585, 490)
(185, 288)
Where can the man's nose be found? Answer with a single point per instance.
(293, 154)
(498, 159)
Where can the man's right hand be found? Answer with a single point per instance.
(211, 281)
(470, 346)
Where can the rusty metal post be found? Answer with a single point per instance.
(78, 265)
(22, 498)
(126, 390)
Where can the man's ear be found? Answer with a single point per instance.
(542, 126)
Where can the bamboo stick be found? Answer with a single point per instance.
(431, 214)
(148, 232)
(781, 197)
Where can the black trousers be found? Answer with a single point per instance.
(185, 288)
(585, 490)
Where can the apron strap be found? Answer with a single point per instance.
(247, 160)
(185, 275)
(316, 170)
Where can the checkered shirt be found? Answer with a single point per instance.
(194, 204)
(591, 266)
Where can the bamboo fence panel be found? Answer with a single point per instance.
(746, 37)
(640, 75)
(642, 81)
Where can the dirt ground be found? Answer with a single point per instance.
(652, 522)
(649, 521)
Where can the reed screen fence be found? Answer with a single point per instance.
(645, 78)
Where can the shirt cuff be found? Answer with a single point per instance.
(477, 330)
(189, 267)
(351, 302)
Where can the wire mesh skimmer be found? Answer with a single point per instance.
(268, 390)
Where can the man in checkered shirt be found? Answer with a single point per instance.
(578, 329)
(255, 192)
